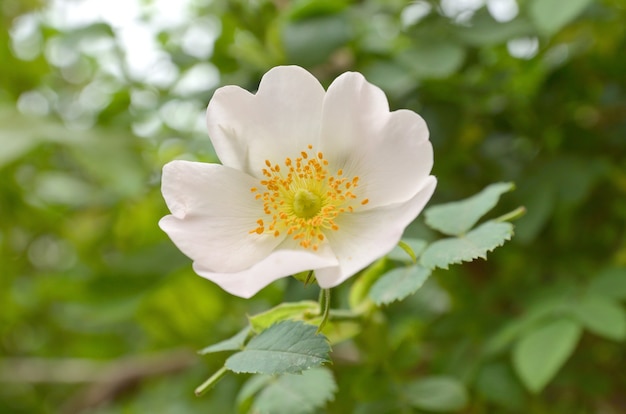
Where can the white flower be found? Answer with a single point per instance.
(310, 180)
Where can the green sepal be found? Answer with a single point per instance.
(303, 310)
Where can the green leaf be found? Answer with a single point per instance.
(61, 188)
(536, 315)
(486, 31)
(234, 343)
(390, 76)
(21, 133)
(312, 40)
(458, 217)
(286, 347)
(398, 284)
(284, 311)
(299, 10)
(497, 383)
(602, 316)
(611, 283)
(249, 49)
(437, 393)
(550, 16)
(252, 387)
(477, 243)
(539, 355)
(432, 59)
(296, 394)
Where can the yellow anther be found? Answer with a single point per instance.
(304, 200)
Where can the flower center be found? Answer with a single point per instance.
(306, 204)
(303, 199)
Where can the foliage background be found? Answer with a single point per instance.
(100, 312)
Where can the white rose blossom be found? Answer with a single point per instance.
(310, 180)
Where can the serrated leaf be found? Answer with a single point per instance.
(284, 311)
(602, 316)
(550, 16)
(297, 394)
(539, 355)
(611, 283)
(251, 387)
(286, 347)
(456, 218)
(477, 243)
(234, 343)
(437, 393)
(398, 284)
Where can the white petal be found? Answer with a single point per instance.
(279, 264)
(388, 151)
(392, 167)
(279, 121)
(213, 212)
(368, 235)
(354, 111)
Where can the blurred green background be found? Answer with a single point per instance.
(99, 311)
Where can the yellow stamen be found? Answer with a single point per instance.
(304, 199)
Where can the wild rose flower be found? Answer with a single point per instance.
(310, 180)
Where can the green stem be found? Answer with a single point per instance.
(208, 384)
(408, 250)
(325, 307)
(513, 215)
(344, 315)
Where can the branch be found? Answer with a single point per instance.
(106, 379)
